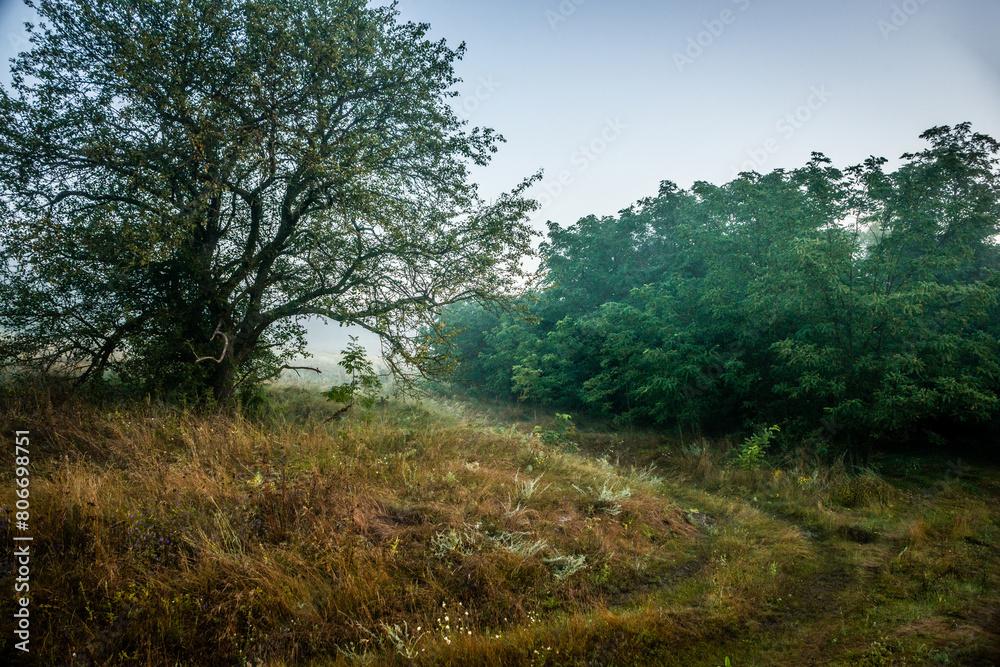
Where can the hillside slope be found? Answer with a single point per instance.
(428, 533)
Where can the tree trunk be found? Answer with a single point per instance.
(224, 383)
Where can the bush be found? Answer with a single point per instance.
(562, 434)
(863, 491)
(752, 451)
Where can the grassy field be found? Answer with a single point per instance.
(330, 371)
(435, 533)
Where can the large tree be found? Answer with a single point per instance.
(185, 180)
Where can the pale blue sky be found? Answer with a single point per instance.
(614, 97)
(558, 76)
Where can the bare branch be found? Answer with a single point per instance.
(225, 348)
(339, 412)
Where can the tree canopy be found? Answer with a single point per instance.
(183, 181)
(851, 305)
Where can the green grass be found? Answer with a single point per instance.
(433, 533)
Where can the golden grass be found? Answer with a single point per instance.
(430, 533)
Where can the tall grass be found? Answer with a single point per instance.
(415, 533)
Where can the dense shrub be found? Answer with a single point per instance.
(853, 307)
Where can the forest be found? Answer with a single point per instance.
(855, 308)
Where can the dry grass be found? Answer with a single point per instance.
(431, 533)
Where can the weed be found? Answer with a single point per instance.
(516, 543)
(564, 567)
(865, 490)
(647, 476)
(562, 434)
(751, 453)
(451, 541)
(402, 641)
(607, 498)
(525, 489)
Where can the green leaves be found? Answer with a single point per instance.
(751, 453)
(364, 386)
(186, 172)
(856, 304)
(563, 433)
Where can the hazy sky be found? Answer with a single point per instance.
(618, 96)
(610, 98)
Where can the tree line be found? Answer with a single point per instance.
(854, 306)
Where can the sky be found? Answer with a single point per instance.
(610, 98)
